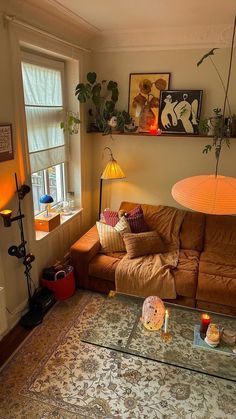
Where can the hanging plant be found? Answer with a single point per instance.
(219, 126)
(71, 123)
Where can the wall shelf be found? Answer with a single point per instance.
(146, 134)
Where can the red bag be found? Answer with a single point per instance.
(63, 288)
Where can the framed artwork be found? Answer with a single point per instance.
(144, 98)
(6, 146)
(180, 111)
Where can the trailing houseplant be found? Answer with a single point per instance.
(219, 126)
(71, 123)
(104, 96)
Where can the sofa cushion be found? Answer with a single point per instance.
(103, 266)
(142, 244)
(217, 278)
(111, 217)
(111, 237)
(165, 220)
(192, 231)
(220, 234)
(186, 273)
(134, 217)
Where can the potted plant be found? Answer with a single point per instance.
(104, 117)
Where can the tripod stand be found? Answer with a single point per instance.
(33, 317)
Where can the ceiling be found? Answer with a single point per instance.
(132, 15)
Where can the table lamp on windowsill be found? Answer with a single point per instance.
(111, 171)
(47, 200)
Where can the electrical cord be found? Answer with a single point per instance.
(13, 314)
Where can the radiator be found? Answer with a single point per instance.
(3, 320)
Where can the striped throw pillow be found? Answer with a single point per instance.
(111, 237)
(141, 244)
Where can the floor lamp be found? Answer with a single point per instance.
(33, 317)
(111, 171)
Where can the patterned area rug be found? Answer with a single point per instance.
(56, 376)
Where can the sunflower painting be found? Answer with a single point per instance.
(144, 96)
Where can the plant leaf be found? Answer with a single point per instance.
(211, 52)
(207, 148)
(91, 77)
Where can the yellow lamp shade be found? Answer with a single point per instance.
(113, 171)
(207, 193)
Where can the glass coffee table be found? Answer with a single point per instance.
(117, 326)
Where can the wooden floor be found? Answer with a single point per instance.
(11, 341)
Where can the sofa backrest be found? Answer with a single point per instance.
(192, 231)
(220, 234)
(192, 228)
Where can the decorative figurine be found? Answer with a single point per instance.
(153, 313)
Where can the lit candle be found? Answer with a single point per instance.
(153, 129)
(205, 321)
(166, 321)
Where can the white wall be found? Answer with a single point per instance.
(57, 244)
(153, 164)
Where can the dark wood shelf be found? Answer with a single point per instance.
(146, 134)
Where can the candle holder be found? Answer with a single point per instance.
(166, 337)
(205, 321)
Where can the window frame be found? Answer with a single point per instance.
(41, 60)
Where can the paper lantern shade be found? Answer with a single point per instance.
(113, 171)
(153, 313)
(209, 194)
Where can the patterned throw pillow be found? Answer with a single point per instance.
(111, 237)
(111, 217)
(134, 217)
(142, 244)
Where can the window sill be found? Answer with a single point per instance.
(39, 235)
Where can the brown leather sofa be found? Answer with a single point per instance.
(205, 276)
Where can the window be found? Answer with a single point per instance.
(43, 95)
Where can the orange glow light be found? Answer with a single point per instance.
(209, 194)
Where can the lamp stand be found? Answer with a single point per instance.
(100, 198)
(33, 317)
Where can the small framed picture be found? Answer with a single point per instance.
(180, 111)
(144, 98)
(6, 143)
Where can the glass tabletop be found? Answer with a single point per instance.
(118, 327)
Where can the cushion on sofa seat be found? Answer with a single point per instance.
(103, 266)
(220, 234)
(111, 237)
(141, 244)
(218, 264)
(186, 273)
(217, 279)
(134, 217)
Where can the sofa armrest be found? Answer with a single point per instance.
(82, 251)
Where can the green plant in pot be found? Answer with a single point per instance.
(104, 96)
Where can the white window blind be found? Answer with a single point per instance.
(43, 105)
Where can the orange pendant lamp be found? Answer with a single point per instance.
(210, 194)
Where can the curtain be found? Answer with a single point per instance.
(44, 111)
